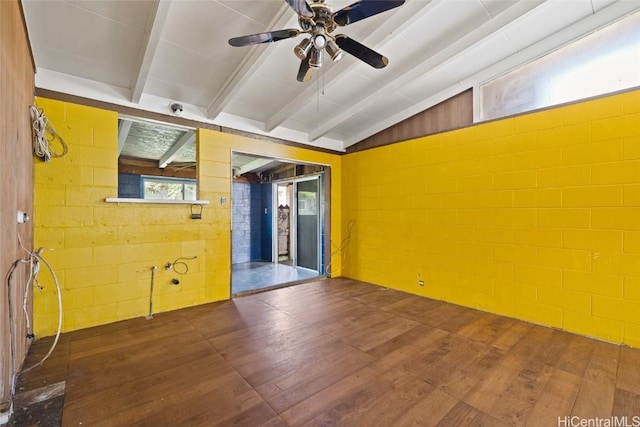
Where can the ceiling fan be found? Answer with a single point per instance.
(319, 20)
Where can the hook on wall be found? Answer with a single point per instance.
(196, 211)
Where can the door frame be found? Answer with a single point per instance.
(293, 209)
(326, 214)
(275, 246)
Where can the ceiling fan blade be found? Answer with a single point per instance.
(305, 71)
(301, 7)
(363, 9)
(269, 37)
(361, 52)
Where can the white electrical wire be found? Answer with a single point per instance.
(34, 269)
(33, 259)
(41, 143)
(178, 262)
(55, 341)
(343, 244)
(12, 333)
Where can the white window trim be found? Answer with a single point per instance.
(156, 201)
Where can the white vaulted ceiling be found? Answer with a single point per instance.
(148, 54)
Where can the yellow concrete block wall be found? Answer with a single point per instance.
(103, 253)
(535, 217)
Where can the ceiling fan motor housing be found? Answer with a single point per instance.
(320, 26)
(322, 16)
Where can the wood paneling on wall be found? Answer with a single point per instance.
(16, 180)
(454, 113)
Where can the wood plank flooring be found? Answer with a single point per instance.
(335, 352)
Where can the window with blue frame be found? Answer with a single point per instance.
(161, 188)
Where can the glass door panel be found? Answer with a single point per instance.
(308, 225)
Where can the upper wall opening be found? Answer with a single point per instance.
(156, 160)
(603, 62)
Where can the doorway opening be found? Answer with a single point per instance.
(280, 220)
(284, 222)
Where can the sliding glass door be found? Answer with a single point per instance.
(308, 223)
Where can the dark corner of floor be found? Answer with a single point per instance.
(47, 413)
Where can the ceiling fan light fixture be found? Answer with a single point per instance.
(319, 41)
(302, 49)
(335, 53)
(315, 60)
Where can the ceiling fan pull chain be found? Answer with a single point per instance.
(318, 96)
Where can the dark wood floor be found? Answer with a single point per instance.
(335, 352)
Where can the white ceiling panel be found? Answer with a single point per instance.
(495, 7)
(375, 114)
(173, 92)
(239, 109)
(550, 17)
(259, 11)
(380, 111)
(429, 84)
(118, 75)
(179, 52)
(304, 125)
(316, 108)
(173, 63)
(491, 50)
(91, 36)
(205, 27)
(133, 13)
(342, 91)
(446, 22)
(271, 95)
(601, 4)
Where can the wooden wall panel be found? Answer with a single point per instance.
(16, 181)
(454, 113)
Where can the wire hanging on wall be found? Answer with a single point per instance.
(33, 258)
(343, 244)
(43, 135)
(184, 267)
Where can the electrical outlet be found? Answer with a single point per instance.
(22, 217)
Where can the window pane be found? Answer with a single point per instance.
(603, 62)
(164, 190)
(307, 203)
(190, 191)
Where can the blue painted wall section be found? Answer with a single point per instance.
(241, 223)
(251, 221)
(322, 225)
(255, 222)
(266, 193)
(129, 186)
